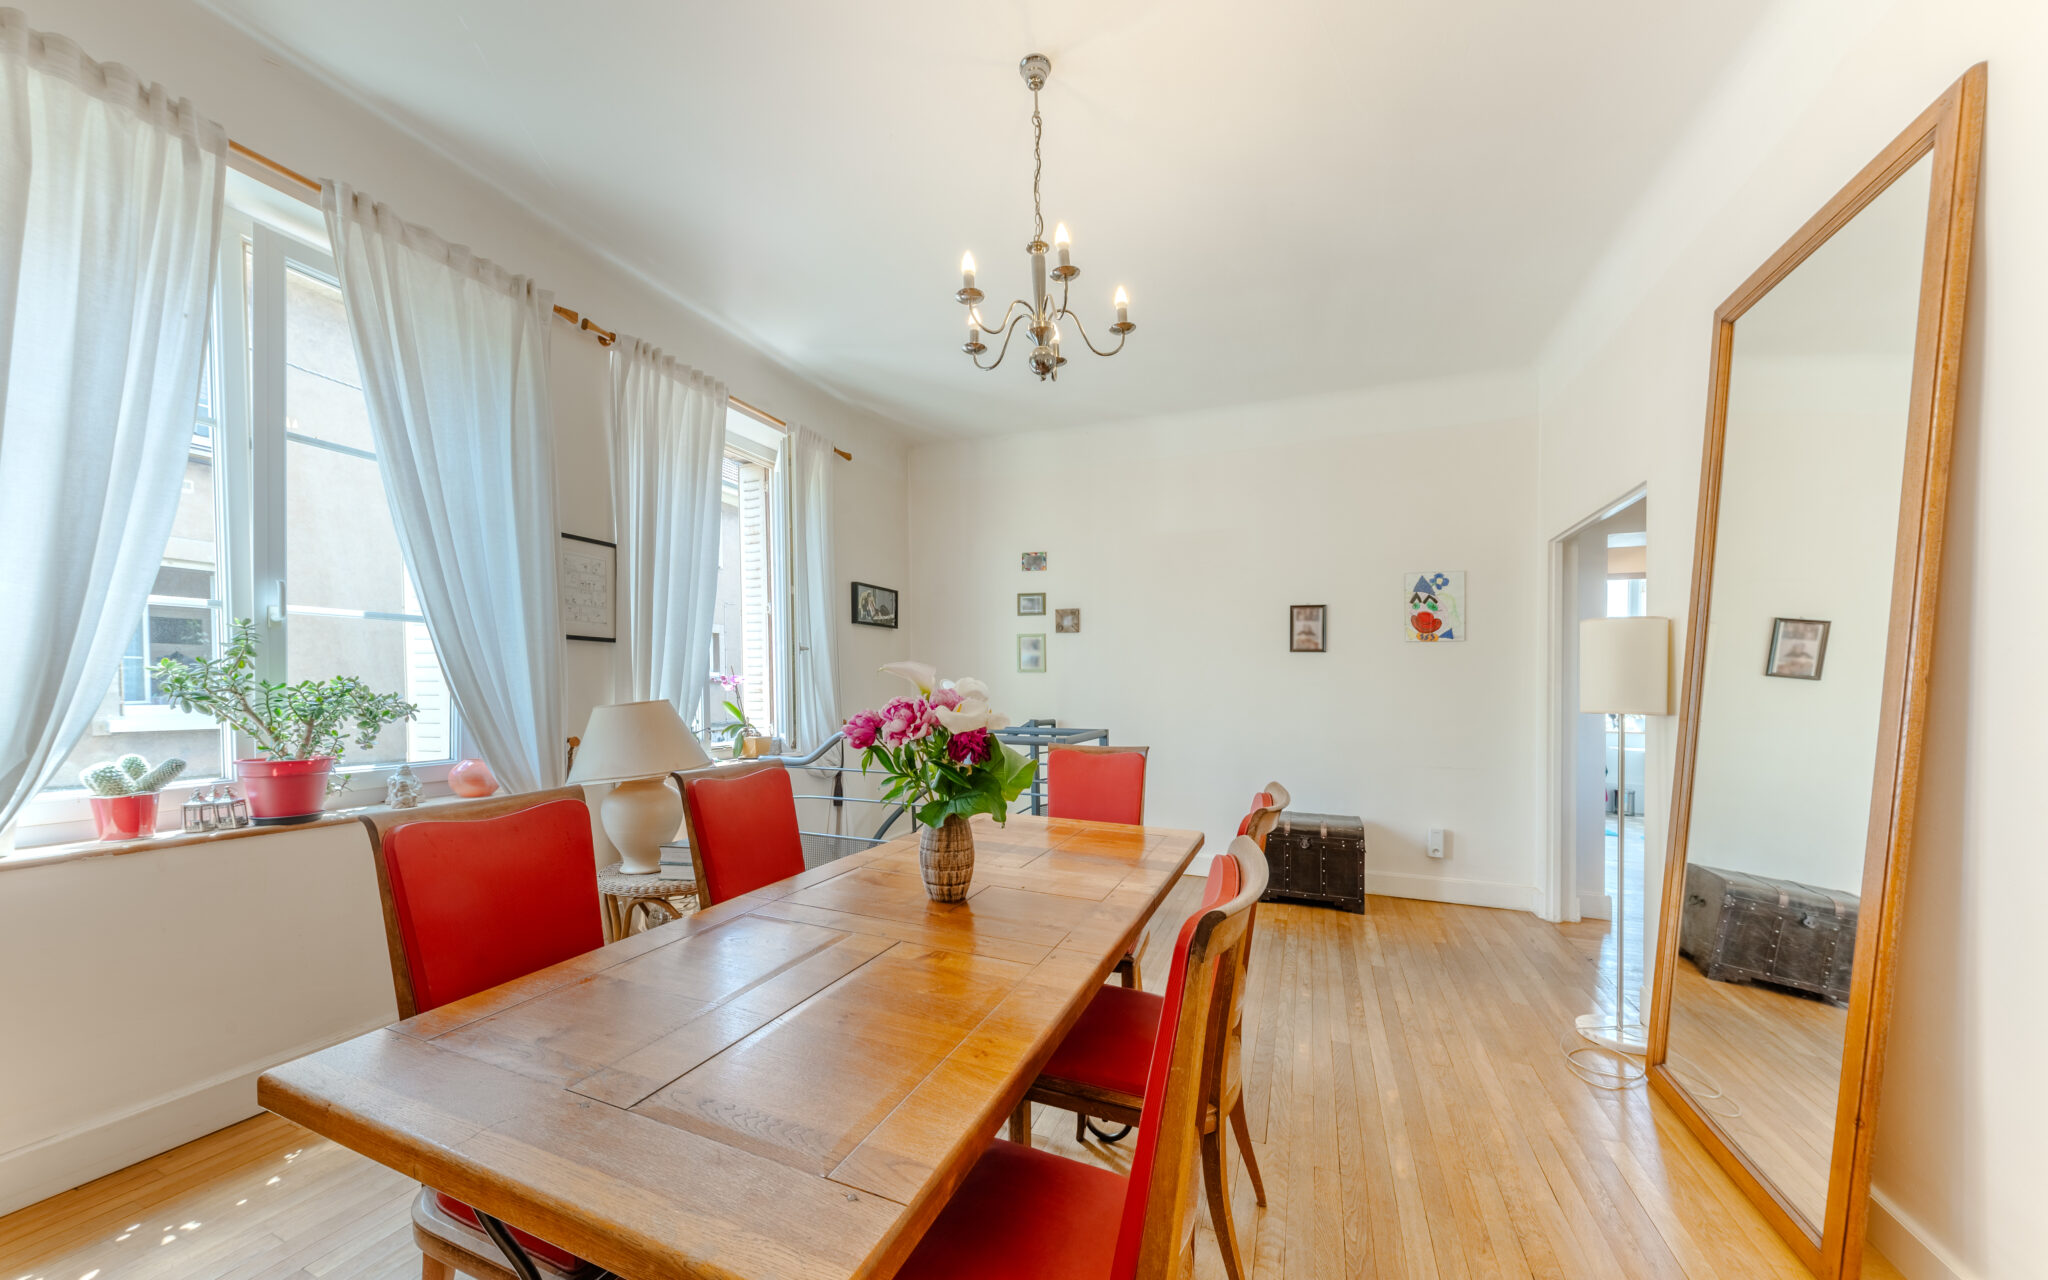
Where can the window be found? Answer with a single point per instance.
(747, 627)
(282, 519)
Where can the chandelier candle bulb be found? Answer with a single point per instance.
(967, 270)
(1123, 306)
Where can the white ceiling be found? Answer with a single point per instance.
(1300, 197)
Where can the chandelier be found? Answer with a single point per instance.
(1040, 318)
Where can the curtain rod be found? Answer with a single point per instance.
(583, 323)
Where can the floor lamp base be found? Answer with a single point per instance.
(1631, 1038)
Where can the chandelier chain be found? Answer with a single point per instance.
(1037, 165)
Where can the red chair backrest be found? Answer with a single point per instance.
(743, 831)
(1167, 1097)
(481, 902)
(1096, 785)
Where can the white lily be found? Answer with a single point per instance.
(970, 688)
(922, 674)
(972, 713)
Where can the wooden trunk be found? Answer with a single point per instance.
(1739, 927)
(1317, 857)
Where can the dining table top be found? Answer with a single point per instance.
(788, 1084)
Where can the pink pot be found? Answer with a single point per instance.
(124, 817)
(285, 791)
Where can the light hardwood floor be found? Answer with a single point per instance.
(1409, 1102)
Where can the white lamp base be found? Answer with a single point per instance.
(1605, 1030)
(641, 815)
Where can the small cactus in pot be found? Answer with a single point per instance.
(124, 795)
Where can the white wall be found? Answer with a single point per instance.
(1623, 387)
(225, 959)
(142, 994)
(1183, 540)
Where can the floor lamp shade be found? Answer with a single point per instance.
(637, 745)
(1625, 666)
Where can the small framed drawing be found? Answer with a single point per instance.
(585, 587)
(1066, 621)
(1305, 628)
(1798, 648)
(1031, 653)
(1034, 562)
(874, 606)
(1031, 604)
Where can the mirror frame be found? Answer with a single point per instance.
(1951, 131)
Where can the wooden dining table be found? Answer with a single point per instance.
(789, 1084)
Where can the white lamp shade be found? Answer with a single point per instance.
(1625, 666)
(636, 740)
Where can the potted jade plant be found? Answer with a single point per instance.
(124, 795)
(301, 729)
(940, 753)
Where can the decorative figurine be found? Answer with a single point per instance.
(403, 791)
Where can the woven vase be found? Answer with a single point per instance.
(945, 854)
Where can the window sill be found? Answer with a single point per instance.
(73, 851)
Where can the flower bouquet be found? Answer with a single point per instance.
(943, 762)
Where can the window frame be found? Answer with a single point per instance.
(248, 468)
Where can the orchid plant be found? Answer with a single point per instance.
(939, 748)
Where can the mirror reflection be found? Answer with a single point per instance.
(1792, 689)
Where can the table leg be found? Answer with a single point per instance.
(515, 1257)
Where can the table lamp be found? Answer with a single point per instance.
(637, 745)
(1624, 670)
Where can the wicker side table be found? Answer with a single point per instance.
(626, 896)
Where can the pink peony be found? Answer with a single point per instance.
(947, 698)
(904, 721)
(861, 730)
(971, 747)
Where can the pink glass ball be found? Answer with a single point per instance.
(471, 779)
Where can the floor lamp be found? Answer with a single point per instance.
(1624, 670)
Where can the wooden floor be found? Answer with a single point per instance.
(1767, 1064)
(1409, 1102)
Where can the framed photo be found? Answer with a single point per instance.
(1066, 621)
(1798, 648)
(1031, 653)
(1305, 628)
(1034, 562)
(874, 606)
(1436, 605)
(1031, 604)
(586, 586)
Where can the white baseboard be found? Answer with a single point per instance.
(1908, 1246)
(1465, 893)
(1596, 906)
(61, 1161)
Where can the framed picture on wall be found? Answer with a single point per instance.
(1066, 621)
(1031, 653)
(1031, 604)
(1034, 562)
(1798, 648)
(1305, 627)
(874, 606)
(586, 580)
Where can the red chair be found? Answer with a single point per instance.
(1096, 784)
(1097, 1071)
(474, 896)
(1023, 1214)
(743, 828)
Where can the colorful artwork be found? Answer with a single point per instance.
(1034, 562)
(1436, 605)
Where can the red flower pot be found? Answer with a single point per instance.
(285, 791)
(124, 817)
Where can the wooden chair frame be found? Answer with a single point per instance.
(1222, 1082)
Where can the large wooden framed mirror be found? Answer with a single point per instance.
(1816, 565)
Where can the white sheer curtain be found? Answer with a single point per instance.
(110, 209)
(667, 429)
(814, 589)
(454, 355)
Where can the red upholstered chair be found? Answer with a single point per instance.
(1023, 1214)
(475, 895)
(1096, 784)
(1264, 814)
(743, 829)
(1097, 1071)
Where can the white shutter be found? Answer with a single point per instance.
(757, 611)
